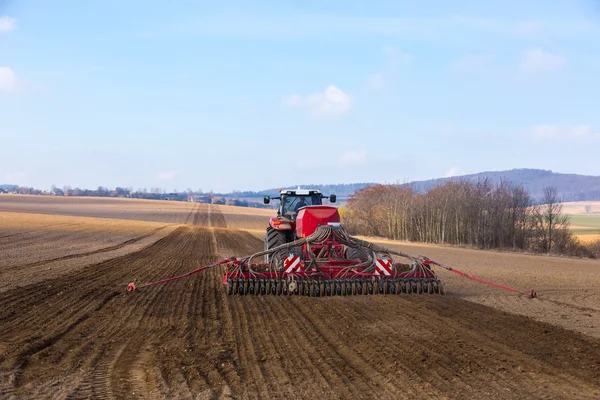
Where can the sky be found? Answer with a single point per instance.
(241, 95)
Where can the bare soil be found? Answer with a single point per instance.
(79, 334)
(34, 247)
(568, 289)
(177, 212)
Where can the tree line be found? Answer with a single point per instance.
(121, 192)
(482, 214)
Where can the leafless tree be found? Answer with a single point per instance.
(554, 223)
(481, 214)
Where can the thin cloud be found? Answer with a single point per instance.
(308, 163)
(8, 80)
(453, 171)
(352, 157)
(395, 59)
(347, 158)
(166, 176)
(526, 28)
(538, 60)
(333, 102)
(376, 81)
(7, 24)
(549, 131)
(302, 24)
(15, 177)
(472, 62)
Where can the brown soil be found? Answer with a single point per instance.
(34, 247)
(81, 335)
(176, 212)
(76, 333)
(567, 289)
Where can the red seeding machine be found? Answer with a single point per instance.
(307, 252)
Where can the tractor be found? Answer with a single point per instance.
(282, 227)
(308, 252)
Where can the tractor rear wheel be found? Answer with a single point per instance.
(357, 254)
(273, 239)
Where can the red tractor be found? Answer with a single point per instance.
(283, 228)
(307, 252)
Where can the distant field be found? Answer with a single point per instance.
(578, 207)
(175, 212)
(585, 223)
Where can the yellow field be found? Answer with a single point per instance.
(584, 225)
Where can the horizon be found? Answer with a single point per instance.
(138, 189)
(239, 97)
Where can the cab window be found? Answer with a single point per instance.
(292, 203)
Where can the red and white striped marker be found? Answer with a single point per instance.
(290, 263)
(383, 267)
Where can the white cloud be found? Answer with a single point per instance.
(333, 102)
(472, 62)
(7, 24)
(538, 60)
(8, 80)
(166, 176)
(352, 157)
(453, 171)
(549, 131)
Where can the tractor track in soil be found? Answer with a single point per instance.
(81, 335)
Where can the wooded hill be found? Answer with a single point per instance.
(569, 187)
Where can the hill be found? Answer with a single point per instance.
(571, 187)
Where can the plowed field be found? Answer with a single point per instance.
(78, 334)
(177, 212)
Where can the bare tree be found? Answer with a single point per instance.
(482, 214)
(554, 222)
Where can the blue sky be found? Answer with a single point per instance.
(251, 95)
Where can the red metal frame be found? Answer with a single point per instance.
(328, 269)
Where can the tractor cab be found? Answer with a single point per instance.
(292, 203)
(293, 200)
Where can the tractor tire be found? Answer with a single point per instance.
(357, 254)
(273, 239)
